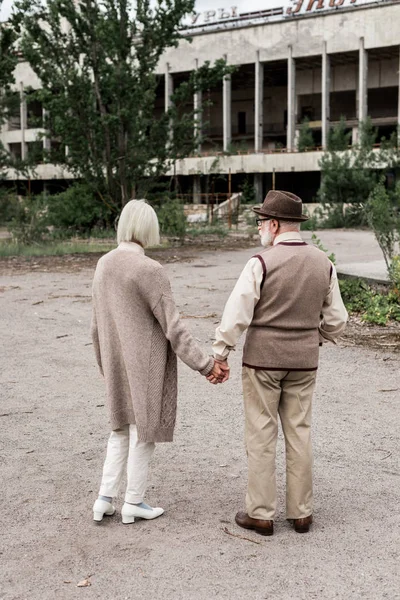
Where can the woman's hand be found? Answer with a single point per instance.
(219, 373)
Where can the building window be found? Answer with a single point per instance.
(57, 151)
(14, 112)
(34, 110)
(16, 150)
(35, 151)
(241, 123)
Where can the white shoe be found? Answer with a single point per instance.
(101, 508)
(130, 512)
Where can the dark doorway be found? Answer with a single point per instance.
(241, 123)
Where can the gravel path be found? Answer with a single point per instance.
(53, 438)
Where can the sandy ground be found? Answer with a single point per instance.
(53, 438)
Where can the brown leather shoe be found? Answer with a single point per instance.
(302, 525)
(261, 526)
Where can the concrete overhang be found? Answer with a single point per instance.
(248, 163)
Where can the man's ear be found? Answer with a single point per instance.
(275, 224)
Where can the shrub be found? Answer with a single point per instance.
(374, 306)
(248, 192)
(8, 206)
(172, 218)
(29, 223)
(78, 210)
(336, 216)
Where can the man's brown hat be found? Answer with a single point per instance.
(282, 205)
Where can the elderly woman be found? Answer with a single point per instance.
(137, 333)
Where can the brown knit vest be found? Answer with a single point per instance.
(283, 334)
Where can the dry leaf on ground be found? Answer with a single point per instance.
(84, 583)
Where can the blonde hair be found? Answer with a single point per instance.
(138, 222)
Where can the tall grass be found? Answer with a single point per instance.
(9, 248)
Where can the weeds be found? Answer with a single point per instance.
(200, 230)
(373, 305)
(8, 248)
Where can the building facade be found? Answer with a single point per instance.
(314, 59)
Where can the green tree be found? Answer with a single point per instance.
(248, 192)
(339, 138)
(348, 176)
(306, 138)
(96, 61)
(383, 214)
(8, 60)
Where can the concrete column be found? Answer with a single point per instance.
(291, 102)
(196, 189)
(23, 116)
(227, 111)
(362, 82)
(326, 86)
(46, 139)
(296, 137)
(197, 103)
(258, 187)
(168, 91)
(169, 88)
(258, 105)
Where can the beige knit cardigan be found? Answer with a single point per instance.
(137, 333)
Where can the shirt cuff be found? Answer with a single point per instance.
(221, 358)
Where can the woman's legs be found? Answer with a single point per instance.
(114, 465)
(123, 449)
(139, 457)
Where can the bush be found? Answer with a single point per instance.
(336, 216)
(29, 223)
(204, 229)
(313, 220)
(8, 206)
(172, 218)
(248, 192)
(78, 210)
(374, 306)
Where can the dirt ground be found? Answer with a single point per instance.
(53, 438)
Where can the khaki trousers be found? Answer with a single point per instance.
(289, 393)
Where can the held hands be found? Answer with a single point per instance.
(219, 373)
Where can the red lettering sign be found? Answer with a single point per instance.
(315, 4)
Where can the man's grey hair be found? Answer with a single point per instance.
(291, 225)
(138, 222)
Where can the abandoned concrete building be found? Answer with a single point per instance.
(314, 59)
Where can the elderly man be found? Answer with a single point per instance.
(288, 298)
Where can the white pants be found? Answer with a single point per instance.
(124, 449)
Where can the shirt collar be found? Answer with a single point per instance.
(288, 236)
(132, 246)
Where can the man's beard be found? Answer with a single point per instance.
(266, 239)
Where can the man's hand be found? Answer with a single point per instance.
(219, 373)
(215, 375)
(223, 365)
